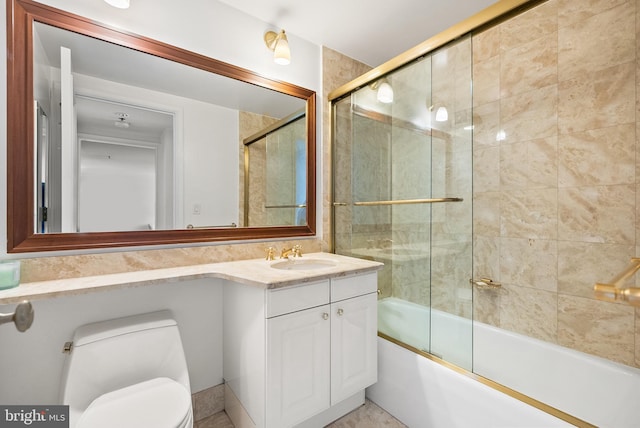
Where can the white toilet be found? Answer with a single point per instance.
(128, 372)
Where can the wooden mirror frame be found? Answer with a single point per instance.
(21, 236)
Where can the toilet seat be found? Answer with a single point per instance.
(157, 403)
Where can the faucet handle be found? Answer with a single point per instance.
(297, 250)
(271, 253)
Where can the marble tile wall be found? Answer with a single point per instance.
(337, 70)
(250, 123)
(555, 107)
(75, 266)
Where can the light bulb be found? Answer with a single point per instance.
(442, 114)
(281, 52)
(385, 93)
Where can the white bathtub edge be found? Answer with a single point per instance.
(424, 394)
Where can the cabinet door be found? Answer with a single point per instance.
(354, 355)
(298, 371)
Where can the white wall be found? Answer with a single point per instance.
(116, 186)
(206, 149)
(211, 167)
(31, 362)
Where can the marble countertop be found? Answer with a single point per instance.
(256, 272)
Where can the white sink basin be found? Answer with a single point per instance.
(303, 264)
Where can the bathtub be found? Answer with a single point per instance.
(423, 393)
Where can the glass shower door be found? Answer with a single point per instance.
(402, 196)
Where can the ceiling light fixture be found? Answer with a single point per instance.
(120, 4)
(278, 43)
(122, 120)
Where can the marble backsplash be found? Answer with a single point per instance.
(75, 266)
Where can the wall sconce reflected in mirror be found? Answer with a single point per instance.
(385, 91)
(278, 43)
(442, 115)
(120, 4)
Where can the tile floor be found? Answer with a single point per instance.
(367, 416)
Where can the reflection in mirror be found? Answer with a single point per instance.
(140, 143)
(128, 101)
(275, 167)
(125, 175)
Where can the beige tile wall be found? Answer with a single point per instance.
(337, 70)
(559, 214)
(250, 123)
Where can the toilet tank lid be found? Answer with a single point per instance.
(94, 332)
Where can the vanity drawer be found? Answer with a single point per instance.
(352, 286)
(296, 298)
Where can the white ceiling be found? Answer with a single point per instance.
(371, 31)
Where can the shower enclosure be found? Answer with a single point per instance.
(275, 174)
(553, 180)
(402, 194)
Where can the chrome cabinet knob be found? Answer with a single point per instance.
(325, 316)
(340, 312)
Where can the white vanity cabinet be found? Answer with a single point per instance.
(305, 356)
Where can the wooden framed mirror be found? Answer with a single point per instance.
(175, 211)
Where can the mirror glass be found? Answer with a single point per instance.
(136, 142)
(154, 144)
(279, 153)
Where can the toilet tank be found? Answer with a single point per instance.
(113, 354)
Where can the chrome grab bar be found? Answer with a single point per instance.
(22, 317)
(485, 283)
(190, 226)
(400, 202)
